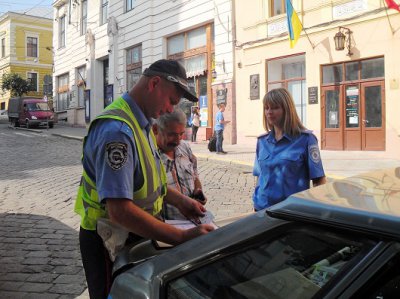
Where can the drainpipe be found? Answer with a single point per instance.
(233, 30)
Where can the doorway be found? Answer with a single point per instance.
(353, 117)
(353, 105)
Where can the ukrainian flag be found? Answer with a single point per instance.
(294, 25)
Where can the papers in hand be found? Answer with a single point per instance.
(187, 224)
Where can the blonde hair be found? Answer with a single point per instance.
(291, 121)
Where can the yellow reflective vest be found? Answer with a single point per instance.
(149, 197)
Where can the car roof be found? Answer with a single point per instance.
(369, 202)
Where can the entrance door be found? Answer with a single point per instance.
(373, 124)
(353, 119)
(332, 111)
(352, 127)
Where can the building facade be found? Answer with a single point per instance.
(348, 97)
(100, 53)
(25, 49)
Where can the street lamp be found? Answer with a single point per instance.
(340, 40)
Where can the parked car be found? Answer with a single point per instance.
(30, 111)
(3, 116)
(339, 240)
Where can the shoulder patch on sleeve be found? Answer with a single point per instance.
(313, 152)
(116, 154)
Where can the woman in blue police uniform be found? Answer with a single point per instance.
(287, 156)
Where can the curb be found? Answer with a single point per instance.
(68, 136)
(25, 129)
(206, 157)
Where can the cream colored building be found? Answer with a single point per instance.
(100, 53)
(349, 98)
(25, 49)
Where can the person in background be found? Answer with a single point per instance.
(220, 123)
(287, 156)
(123, 180)
(179, 161)
(195, 123)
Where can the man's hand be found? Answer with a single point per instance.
(199, 230)
(199, 196)
(191, 209)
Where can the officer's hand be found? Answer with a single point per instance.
(194, 232)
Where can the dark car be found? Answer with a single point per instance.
(339, 240)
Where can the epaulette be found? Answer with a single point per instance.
(263, 135)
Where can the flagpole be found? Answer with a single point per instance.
(312, 45)
(387, 16)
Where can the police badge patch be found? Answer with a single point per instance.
(117, 154)
(314, 154)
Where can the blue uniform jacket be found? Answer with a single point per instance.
(284, 167)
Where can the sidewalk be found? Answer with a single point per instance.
(337, 164)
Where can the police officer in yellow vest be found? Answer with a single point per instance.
(123, 179)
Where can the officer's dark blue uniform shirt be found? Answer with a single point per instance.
(284, 167)
(110, 155)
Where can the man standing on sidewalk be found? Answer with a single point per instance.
(220, 123)
(123, 179)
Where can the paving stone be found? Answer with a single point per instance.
(35, 287)
(37, 221)
(42, 277)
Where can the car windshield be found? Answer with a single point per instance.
(37, 107)
(296, 264)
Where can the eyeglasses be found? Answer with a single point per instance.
(184, 83)
(173, 79)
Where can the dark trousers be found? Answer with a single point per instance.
(96, 262)
(220, 138)
(194, 132)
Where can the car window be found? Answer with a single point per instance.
(385, 284)
(294, 264)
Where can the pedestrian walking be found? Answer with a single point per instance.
(287, 156)
(220, 123)
(179, 161)
(123, 177)
(195, 123)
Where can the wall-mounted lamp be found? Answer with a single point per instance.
(340, 40)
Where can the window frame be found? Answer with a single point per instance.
(32, 49)
(62, 32)
(129, 5)
(37, 79)
(133, 67)
(272, 12)
(81, 75)
(3, 47)
(84, 16)
(103, 12)
(285, 82)
(63, 91)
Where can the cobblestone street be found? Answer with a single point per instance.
(39, 176)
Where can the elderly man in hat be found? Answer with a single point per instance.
(123, 179)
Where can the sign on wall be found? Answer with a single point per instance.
(254, 87)
(221, 96)
(313, 95)
(203, 103)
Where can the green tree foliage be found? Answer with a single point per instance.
(15, 84)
